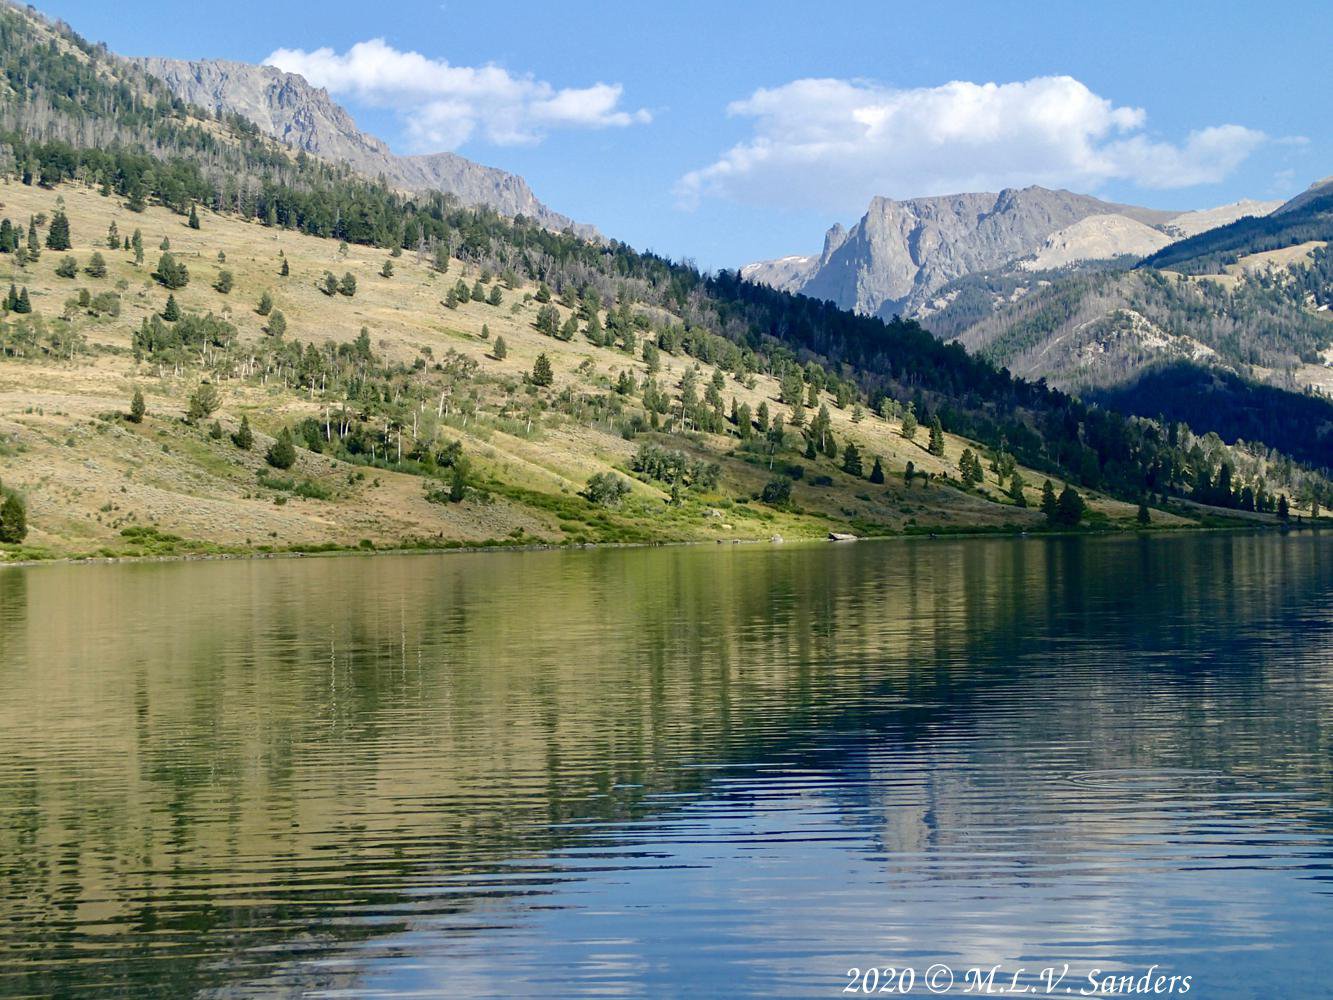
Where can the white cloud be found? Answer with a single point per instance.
(833, 144)
(444, 105)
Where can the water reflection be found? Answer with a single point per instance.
(746, 768)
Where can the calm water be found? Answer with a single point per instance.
(699, 771)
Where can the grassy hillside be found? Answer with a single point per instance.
(97, 482)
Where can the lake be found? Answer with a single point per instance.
(740, 770)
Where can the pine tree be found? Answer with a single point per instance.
(171, 312)
(13, 518)
(1144, 517)
(265, 304)
(478, 292)
(496, 297)
(851, 460)
(171, 273)
(541, 371)
(57, 237)
(543, 294)
(500, 349)
(194, 218)
(244, 438)
(112, 236)
(277, 323)
(24, 305)
(387, 270)
(1283, 507)
(909, 424)
(138, 408)
(67, 268)
(348, 284)
(34, 248)
(225, 283)
(1016, 491)
(1069, 508)
(96, 265)
(204, 402)
(909, 473)
(285, 269)
(1048, 501)
(282, 453)
(936, 437)
(329, 284)
(877, 472)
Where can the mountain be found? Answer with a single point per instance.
(317, 360)
(901, 253)
(286, 107)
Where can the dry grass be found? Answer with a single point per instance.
(88, 477)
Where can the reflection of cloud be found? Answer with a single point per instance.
(445, 105)
(834, 144)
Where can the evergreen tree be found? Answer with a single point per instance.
(500, 349)
(1144, 517)
(265, 304)
(244, 438)
(548, 320)
(204, 402)
(57, 237)
(496, 297)
(215, 431)
(851, 460)
(541, 371)
(485, 331)
(478, 291)
(138, 408)
(34, 247)
(569, 328)
(936, 437)
(286, 268)
(13, 518)
(1016, 491)
(329, 284)
(224, 283)
(1048, 501)
(348, 284)
(877, 472)
(67, 268)
(277, 323)
(165, 245)
(112, 236)
(194, 218)
(909, 473)
(171, 273)
(442, 259)
(171, 312)
(1069, 508)
(24, 305)
(282, 453)
(96, 266)
(451, 299)
(1283, 507)
(909, 423)
(543, 294)
(387, 270)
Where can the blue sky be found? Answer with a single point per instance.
(728, 132)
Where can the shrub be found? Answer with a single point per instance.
(606, 489)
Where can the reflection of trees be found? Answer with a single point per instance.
(208, 758)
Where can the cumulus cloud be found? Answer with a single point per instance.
(444, 106)
(833, 144)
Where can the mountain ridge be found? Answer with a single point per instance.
(288, 108)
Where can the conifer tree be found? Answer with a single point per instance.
(1048, 501)
(57, 236)
(194, 218)
(244, 438)
(24, 305)
(171, 312)
(204, 402)
(265, 304)
(13, 518)
(96, 265)
(348, 284)
(936, 437)
(224, 283)
(908, 429)
(137, 407)
(877, 472)
(1069, 508)
(282, 453)
(500, 350)
(1016, 491)
(1144, 517)
(851, 460)
(541, 371)
(113, 236)
(67, 268)
(285, 269)
(277, 323)
(496, 297)
(34, 248)
(329, 284)
(387, 270)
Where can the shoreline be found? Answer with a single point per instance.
(927, 535)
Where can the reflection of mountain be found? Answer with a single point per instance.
(206, 762)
